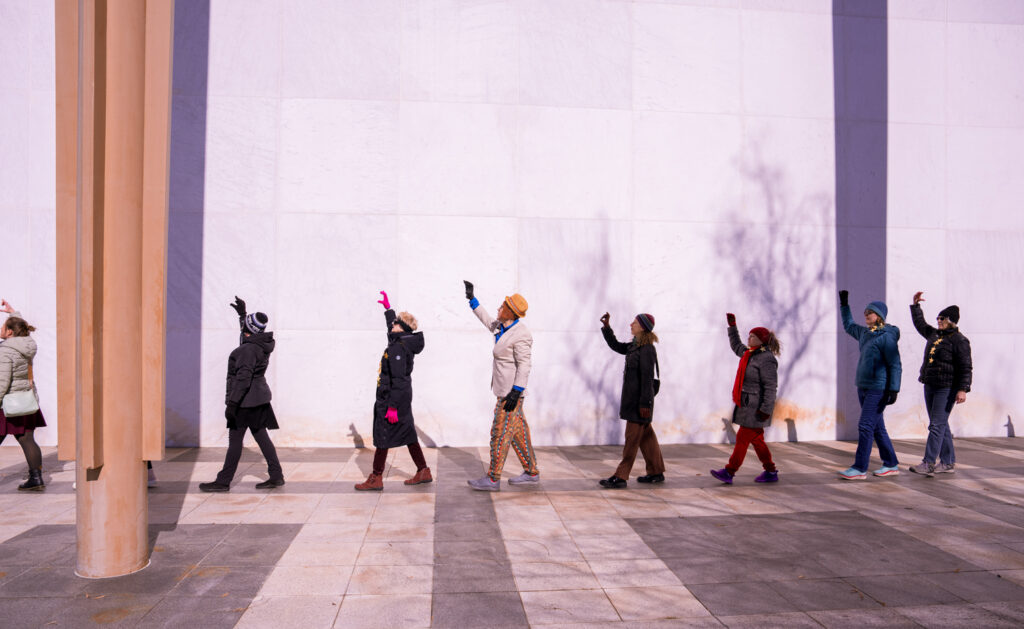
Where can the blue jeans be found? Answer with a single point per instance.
(871, 427)
(940, 439)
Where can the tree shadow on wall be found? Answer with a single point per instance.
(783, 270)
(597, 372)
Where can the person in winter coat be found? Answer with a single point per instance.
(753, 393)
(510, 370)
(247, 400)
(637, 403)
(393, 424)
(17, 349)
(879, 372)
(946, 374)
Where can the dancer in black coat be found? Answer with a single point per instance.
(637, 404)
(393, 424)
(247, 400)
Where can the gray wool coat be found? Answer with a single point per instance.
(760, 383)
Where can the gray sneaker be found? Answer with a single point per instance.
(926, 469)
(945, 468)
(525, 479)
(484, 483)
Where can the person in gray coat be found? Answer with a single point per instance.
(17, 350)
(753, 393)
(247, 400)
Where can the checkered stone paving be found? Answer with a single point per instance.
(810, 551)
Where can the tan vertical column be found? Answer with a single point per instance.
(113, 118)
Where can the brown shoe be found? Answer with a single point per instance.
(422, 476)
(374, 482)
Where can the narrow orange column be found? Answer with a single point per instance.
(113, 117)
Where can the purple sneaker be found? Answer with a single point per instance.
(767, 477)
(723, 475)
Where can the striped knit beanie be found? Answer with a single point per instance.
(256, 322)
(646, 321)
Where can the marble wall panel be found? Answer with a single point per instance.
(459, 51)
(787, 171)
(984, 181)
(574, 53)
(779, 77)
(241, 154)
(572, 271)
(245, 53)
(991, 11)
(986, 86)
(457, 159)
(686, 167)
(574, 163)
(982, 269)
(17, 140)
(917, 74)
(917, 176)
(686, 58)
(434, 254)
(329, 267)
(341, 49)
(338, 156)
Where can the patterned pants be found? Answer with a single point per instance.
(510, 428)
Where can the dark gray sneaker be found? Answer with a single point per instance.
(484, 483)
(945, 468)
(925, 469)
(525, 479)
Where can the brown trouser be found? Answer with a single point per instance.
(642, 437)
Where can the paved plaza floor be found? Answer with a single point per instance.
(810, 551)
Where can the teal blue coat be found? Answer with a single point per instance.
(879, 366)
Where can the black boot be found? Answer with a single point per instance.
(34, 482)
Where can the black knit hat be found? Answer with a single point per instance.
(951, 312)
(256, 322)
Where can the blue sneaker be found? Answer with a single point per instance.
(853, 473)
(485, 483)
(887, 471)
(767, 477)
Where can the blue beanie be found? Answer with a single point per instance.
(879, 308)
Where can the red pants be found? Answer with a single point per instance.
(744, 438)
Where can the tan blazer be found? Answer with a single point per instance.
(511, 353)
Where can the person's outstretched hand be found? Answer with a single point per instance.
(384, 302)
(239, 306)
(730, 318)
(469, 289)
(605, 318)
(844, 298)
(918, 298)
(6, 307)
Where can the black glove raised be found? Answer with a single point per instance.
(512, 400)
(469, 290)
(844, 298)
(730, 318)
(231, 411)
(239, 306)
(605, 318)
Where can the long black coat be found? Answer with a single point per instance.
(394, 388)
(247, 385)
(947, 355)
(637, 377)
(760, 384)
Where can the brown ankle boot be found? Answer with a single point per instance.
(374, 482)
(422, 476)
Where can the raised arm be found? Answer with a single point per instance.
(917, 316)
(489, 323)
(609, 338)
(738, 346)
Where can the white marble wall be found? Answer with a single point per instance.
(669, 157)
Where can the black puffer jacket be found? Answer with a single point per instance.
(637, 377)
(394, 388)
(247, 367)
(947, 355)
